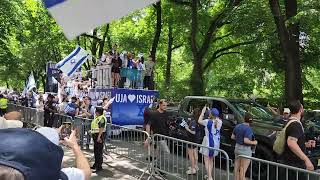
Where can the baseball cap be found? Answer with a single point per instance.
(214, 111)
(31, 153)
(4, 124)
(286, 110)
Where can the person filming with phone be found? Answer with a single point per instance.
(98, 128)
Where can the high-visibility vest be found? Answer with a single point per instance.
(3, 103)
(95, 124)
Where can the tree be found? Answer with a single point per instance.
(289, 41)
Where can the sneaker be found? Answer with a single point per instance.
(197, 168)
(191, 171)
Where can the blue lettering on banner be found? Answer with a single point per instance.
(51, 3)
(128, 105)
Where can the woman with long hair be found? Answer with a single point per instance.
(211, 139)
(244, 137)
(194, 134)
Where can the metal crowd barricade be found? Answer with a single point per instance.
(260, 169)
(170, 158)
(59, 119)
(83, 126)
(28, 115)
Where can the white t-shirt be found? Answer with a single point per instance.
(74, 173)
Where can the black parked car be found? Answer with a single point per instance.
(265, 125)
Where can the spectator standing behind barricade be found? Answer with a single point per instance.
(115, 70)
(295, 146)
(72, 109)
(49, 110)
(3, 105)
(211, 139)
(194, 129)
(245, 143)
(63, 104)
(98, 127)
(87, 108)
(149, 66)
(40, 103)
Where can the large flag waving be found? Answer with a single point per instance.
(79, 16)
(31, 83)
(73, 61)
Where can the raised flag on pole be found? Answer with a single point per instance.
(31, 83)
(80, 16)
(70, 64)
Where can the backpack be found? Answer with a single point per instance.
(280, 142)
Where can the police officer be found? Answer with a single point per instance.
(3, 105)
(98, 128)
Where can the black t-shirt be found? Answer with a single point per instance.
(295, 130)
(159, 122)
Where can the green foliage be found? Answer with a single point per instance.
(29, 38)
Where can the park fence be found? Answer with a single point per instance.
(164, 156)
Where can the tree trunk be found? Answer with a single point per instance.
(102, 43)
(197, 83)
(94, 43)
(109, 42)
(169, 57)
(289, 41)
(156, 38)
(157, 34)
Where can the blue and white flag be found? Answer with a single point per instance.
(73, 61)
(31, 83)
(79, 16)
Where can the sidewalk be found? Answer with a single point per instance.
(114, 167)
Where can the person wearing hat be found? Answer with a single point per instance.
(98, 128)
(286, 115)
(28, 155)
(211, 139)
(49, 111)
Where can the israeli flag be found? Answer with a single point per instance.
(73, 61)
(31, 83)
(79, 16)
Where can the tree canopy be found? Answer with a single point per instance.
(201, 47)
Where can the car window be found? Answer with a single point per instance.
(195, 103)
(255, 110)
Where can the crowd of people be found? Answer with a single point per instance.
(203, 128)
(129, 68)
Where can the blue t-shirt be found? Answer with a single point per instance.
(242, 131)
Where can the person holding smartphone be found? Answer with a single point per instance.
(98, 128)
(245, 145)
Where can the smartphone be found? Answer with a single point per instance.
(66, 130)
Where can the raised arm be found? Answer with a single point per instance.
(200, 120)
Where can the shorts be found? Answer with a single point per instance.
(242, 150)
